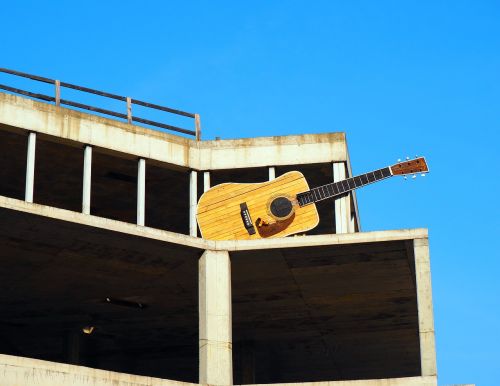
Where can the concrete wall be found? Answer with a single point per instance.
(18, 371)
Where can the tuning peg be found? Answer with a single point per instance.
(407, 158)
(405, 177)
(416, 156)
(399, 159)
(414, 176)
(423, 175)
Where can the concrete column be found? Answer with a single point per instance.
(215, 319)
(206, 181)
(87, 179)
(272, 173)
(30, 168)
(342, 204)
(141, 191)
(193, 201)
(425, 312)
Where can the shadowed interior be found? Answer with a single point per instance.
(325, 313)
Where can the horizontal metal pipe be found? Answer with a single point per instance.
(92, 108)
(162, 125)
(163, 108)
(25, 75)
(92, 91)
(27, 93)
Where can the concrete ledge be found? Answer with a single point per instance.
(19, 371)
(409, 381)
(104, 223)
(230, 245)
(30, 115)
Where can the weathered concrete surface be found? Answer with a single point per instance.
(270, 151)
(406, 381)
(216, 338)
(136, 141)
(230, 245)
(18, 371)
(425, 310)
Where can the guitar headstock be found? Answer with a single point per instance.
(417, 165)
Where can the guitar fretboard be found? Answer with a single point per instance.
(338, 188)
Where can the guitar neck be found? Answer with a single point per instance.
(338, 188)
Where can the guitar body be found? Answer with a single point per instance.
(272, 208)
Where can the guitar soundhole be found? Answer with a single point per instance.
(281, 208)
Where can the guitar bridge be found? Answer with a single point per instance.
(247, 220)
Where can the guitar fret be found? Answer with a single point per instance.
(337, 188)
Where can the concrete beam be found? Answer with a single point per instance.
(140, 142)
(30, 168)
(228, 245)
(425, 312)
(21, 371)
(406, 381)
(264, 151)
(215, 329)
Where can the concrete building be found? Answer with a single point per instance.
(103, 274)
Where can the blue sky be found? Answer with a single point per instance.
(400, 78)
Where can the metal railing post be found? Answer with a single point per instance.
(129, 110)
(57, 84)
(197, 125)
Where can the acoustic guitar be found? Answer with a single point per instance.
(280, 207)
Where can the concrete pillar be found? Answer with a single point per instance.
(206, 181)
(193, 201)
(272, 173)
(342, 204)
(215, 319)
(425, 312)
(87, 179)
(141, 191)
(30, 168)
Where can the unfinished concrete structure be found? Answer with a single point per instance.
(98, 232)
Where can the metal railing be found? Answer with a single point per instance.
(129, 102)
